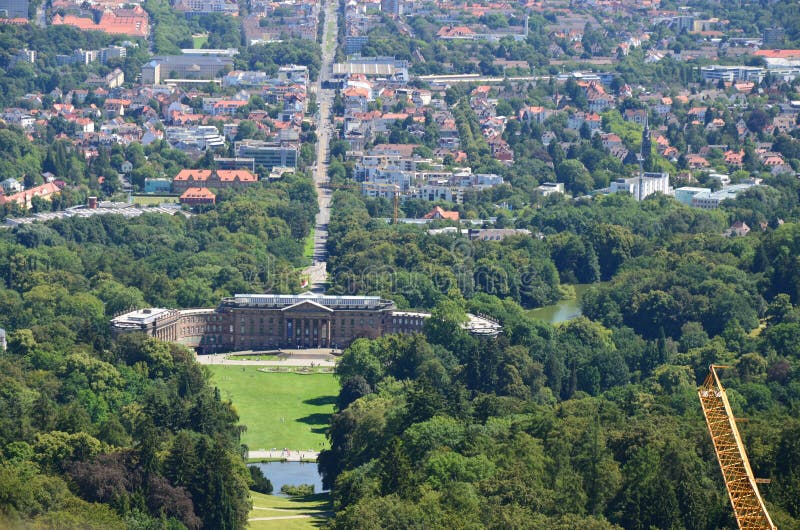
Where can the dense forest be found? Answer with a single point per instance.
(594, 423)
(102, 434)
(98, 432)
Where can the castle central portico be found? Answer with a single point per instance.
(307, 325)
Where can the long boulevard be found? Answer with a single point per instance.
(317, 272)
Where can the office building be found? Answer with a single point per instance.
(185, 67)
(773, 37)
(391, 7)
(14, 8)
(268, 154)
(643, 186)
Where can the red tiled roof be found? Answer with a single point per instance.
(134, 22)
(193, 174)
(778, 54)
(454, 31)
(439, 213)
(224, 175)
(23, 198)
(198, 194)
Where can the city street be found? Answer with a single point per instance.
(317, 272)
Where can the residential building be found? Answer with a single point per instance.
(112, 79)
(3, 343)
(440, 213)
(111, 52)
(11, 185)
(25, 198)
(25, 56)
(259, 321)
(739, 228)
(549, 188)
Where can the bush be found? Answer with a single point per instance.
(298, 491)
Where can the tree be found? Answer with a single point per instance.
(575, 177)
(261, 484)
(757, 120)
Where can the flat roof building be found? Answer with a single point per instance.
(14, 8)
(268, 154)
(643, 186)
(206, 67)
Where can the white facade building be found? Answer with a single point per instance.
(641, 187)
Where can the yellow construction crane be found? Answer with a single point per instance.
(748, 506)
(357, 187)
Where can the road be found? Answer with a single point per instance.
(318, 272)
(476, 78)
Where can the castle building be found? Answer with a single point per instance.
(267, 321)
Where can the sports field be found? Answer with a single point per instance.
(307, 512)
(148, 200)
(281, 410)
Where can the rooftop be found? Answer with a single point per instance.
(286, 300)
(140, 317)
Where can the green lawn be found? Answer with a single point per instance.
(281, 410)
(316, 506)
(147, 200)
(308, 246)
(198, 41)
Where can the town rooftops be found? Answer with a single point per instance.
(778, 54)
(224, 175)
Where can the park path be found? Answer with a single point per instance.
(308, 358)
(288, 455)
(281, 517)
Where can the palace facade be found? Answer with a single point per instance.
(270, 321)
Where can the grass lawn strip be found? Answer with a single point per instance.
(306, 512)
(280, 410)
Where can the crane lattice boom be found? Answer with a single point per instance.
(748, 506)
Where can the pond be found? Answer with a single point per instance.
(563, 310)
(292, 473)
